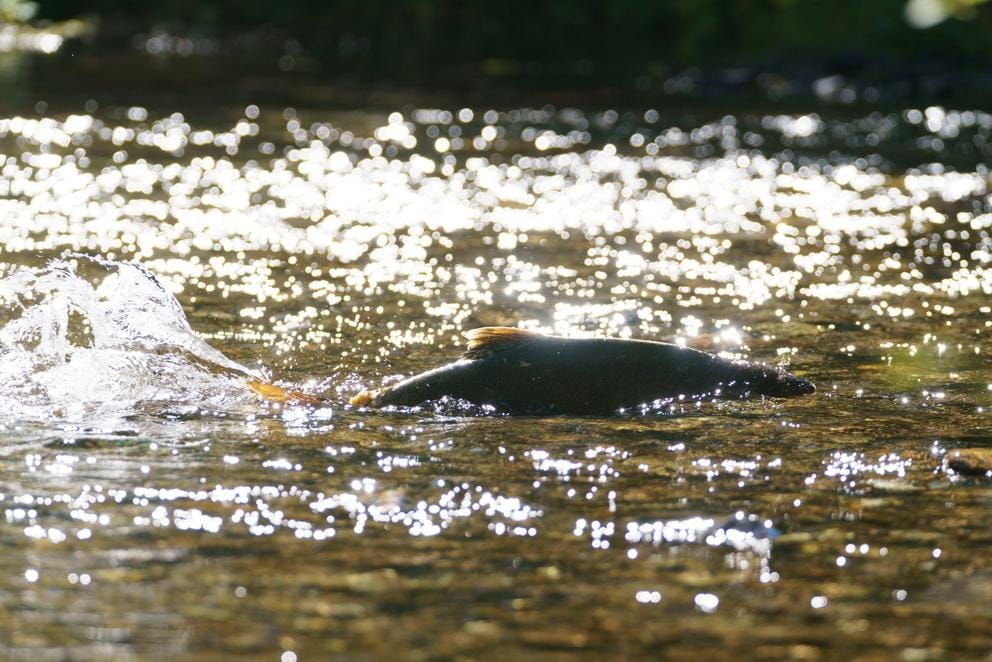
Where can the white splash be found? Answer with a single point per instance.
(74, 349)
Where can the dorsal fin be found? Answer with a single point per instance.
(488, 339)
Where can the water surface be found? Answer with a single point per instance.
(152, 262)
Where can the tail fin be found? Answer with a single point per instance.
(365, 397)
(274, 393)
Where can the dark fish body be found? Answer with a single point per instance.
(523, 372)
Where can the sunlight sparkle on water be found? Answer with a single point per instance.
(333, 252)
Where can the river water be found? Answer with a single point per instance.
(152, 261)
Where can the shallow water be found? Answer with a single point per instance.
(152, 506)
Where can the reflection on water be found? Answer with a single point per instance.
(151, 506)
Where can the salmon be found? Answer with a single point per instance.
(523, 372)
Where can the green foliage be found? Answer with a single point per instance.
(606, 36)
(928, 13)
(17, 11)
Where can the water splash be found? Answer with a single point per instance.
(74, 346)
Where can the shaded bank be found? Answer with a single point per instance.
(635, 41)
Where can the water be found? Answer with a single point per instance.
(151, 263)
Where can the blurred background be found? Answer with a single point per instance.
(834, 50)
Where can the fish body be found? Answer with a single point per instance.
(522, 372)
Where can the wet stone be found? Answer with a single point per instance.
(894, 486)
(970, 461)
(555, 639)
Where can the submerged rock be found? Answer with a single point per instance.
(972, 461)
